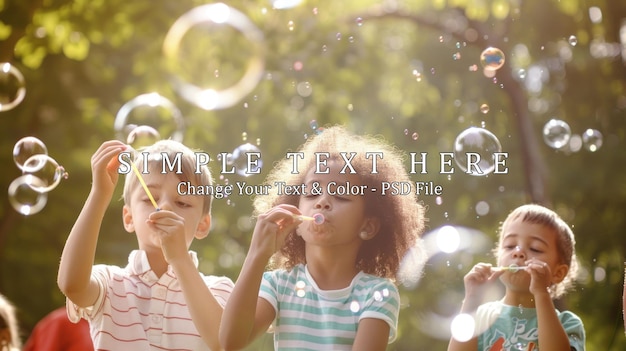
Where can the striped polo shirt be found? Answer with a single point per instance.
(136, 310)
(308, 318)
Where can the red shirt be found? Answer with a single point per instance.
(55, 332)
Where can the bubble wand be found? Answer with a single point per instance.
(317, 218)
(143, 184)
(513, 268)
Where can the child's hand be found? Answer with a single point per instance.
(104, 175)
(540, 276)
(476, 279)
(271, 229)
(170, 227)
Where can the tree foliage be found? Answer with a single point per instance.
(406, 70)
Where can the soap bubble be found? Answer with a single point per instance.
(475, 148)
(592, 140)
(492, 58)
(27, 147)
(198, 49)
(12, 86)
(149, 110)
(23, 196)
(142, 136)
(556, 133)
(239, 159)
(46, 169)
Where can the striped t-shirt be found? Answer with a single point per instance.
(138, 311)
(308, 318)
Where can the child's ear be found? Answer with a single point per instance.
(559, 273)
(203, 226)
(127, 219)
(371, 226)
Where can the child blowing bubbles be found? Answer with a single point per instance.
(332, 287)
(536, 238)
(145, 305)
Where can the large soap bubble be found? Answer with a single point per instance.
(476, 146)
(199, 54)
(147, 118)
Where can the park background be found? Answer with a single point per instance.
(408, 71)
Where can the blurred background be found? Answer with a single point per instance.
(543, 81)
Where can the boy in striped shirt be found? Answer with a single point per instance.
(147, 305)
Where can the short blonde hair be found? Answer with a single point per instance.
(8, 320)
(537, 214)
(170, 148)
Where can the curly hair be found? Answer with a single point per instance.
(537, 214)
(401, 216)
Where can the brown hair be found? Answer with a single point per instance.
(401, 216)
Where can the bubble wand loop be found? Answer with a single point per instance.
(317, 218)
(143, 184)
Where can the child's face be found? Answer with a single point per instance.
(164, 190)
(524, 242)
(344, 215)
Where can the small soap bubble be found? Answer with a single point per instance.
(23, 196)
(492, 58)
(244, 136)
(476, 146)
(46, 169)
(359, 21)
(149, 110)
(240, 157)
(27, 147)
(556, 133)
(484, 108)
(572, 40)
(142, 136)
(12, 87)
(318, 218)
(592, 140)
(313, 124)
(191, 50)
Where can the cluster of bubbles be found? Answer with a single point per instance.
(558, 135)
(28, 193)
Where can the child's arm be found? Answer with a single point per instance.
(205, 310)
(372, 335)
(246, 315)
(77, 259)
(474, 281)
(552, 336)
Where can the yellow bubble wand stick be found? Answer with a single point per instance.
(143, 184)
